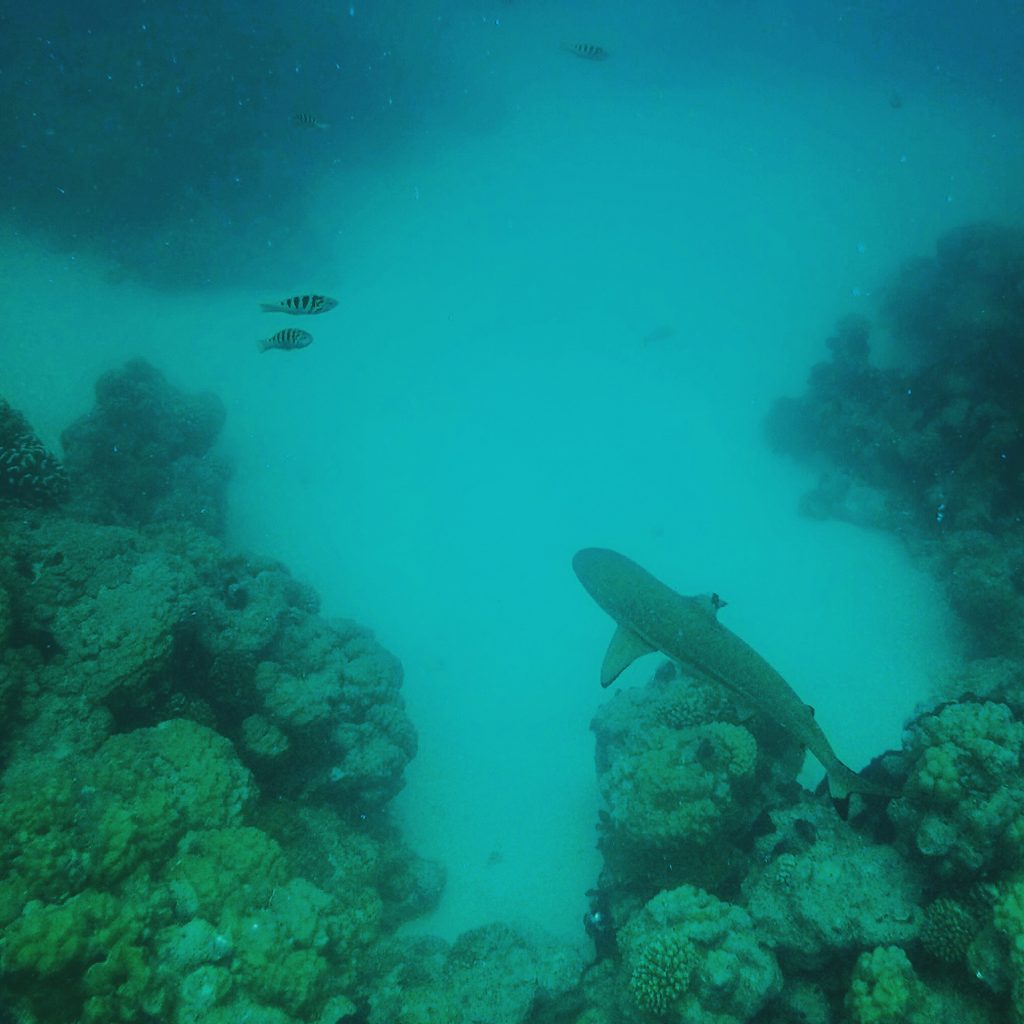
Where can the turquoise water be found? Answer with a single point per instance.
(488, 396)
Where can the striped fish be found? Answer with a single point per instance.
(289, 338)
(308, 121)
(588, 51)
(300, 305)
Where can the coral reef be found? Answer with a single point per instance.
(911, 912)
(143, 454)
(196, 767)
(692, 958)
(684, 774)
(833, 894)
(962, 805)
(492, 973)
(932, 450)
(29, 473)
(968, 300)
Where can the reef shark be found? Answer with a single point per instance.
(653, 617)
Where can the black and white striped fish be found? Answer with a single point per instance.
(300, 305)
(308, 121)
(588, 51)
(289, 338)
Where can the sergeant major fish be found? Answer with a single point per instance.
(308, 121)
(301, 305)
(588, 51)
(289, 338)
(652, 617)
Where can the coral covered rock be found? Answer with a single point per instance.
(962, 806)
(692, 958)
(143, 454)
(122, 627)
(933, 450)
(29, 473)
(684, 773)
(884, 989)
(831, 895)
(491, 973)
(195, 765)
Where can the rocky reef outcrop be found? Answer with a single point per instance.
(932, 448)
(145, 453)
(196, 766)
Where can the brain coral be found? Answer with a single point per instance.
(962, 807)
(691, 958)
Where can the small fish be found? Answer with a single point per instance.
(300, 305)
(289, 338)
(308, 121)
(588, 51)
(660, 333)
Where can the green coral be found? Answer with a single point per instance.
(948, 928)
(661, 972)
(1008, 918)
(884, 989)
(683, 785)
(693, 958)
(962, 806)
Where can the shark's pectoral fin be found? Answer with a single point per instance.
(624, 649)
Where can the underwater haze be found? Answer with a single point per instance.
(570, 291)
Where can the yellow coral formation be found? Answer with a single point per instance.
(937, 775)
(677, 785)
(735, 745)
(884, 988)
(963, 802)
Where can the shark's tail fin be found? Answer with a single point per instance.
(843, 781)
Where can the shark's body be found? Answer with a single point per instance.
(653, 617)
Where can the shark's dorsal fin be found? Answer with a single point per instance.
(624, 649)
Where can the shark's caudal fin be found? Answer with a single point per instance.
(624, 649)
(843, 781)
